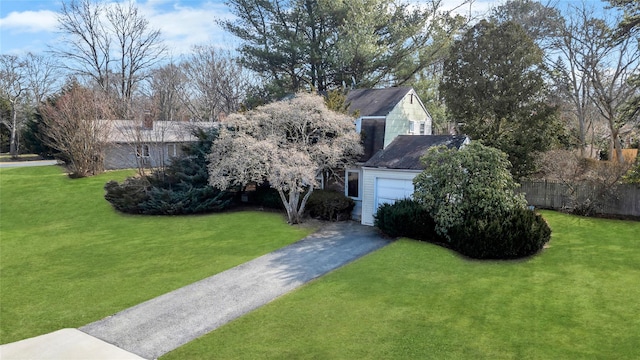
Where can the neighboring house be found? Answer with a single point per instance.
(388, 175)
(383, 114)
(148, 144)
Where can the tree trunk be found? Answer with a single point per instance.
(581, 135)
(616, 145)
(13, 147)
(294, 210)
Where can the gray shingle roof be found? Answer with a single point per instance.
(131, 131)
(405, 151)
(375, 102)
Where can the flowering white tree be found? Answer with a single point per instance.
(287, 144)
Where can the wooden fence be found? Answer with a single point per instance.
(623, 200)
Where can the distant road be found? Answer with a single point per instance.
(27, 163)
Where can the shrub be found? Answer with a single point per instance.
(471, 182)
(128, 196)
(184, 202)
(406, 218)
(182, 188)
(518, 234)
(330, 205)
(138, 196)
(268, 197)
(633, 175)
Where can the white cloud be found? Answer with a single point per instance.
(185, 26)
(29, 21)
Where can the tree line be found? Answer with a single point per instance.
(525, 78)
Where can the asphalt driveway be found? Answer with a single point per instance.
(160, 325)
(14, 164)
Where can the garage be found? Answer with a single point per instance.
(384, 186)
(387, 191)
(388, 175)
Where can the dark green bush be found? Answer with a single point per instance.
(184, 202)
(181, 189)
(518, 234)
(268, 197)
(137, 196)
(406, 218)
(128, 196)
(329, 205)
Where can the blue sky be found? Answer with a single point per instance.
(30, 25)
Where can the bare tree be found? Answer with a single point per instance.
(216, 83)
(287, 144)
(615, 65)
(75, 127)
(42, 75)
(24, 83)
(572, 68)
(114, 46)
(596, 69)
(87, 42)
(165, 96)
(13, 88)
(138, 47)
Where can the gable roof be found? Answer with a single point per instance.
(132, 131)
(375, 102)
(405, 151)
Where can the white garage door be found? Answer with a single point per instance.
(390, 190)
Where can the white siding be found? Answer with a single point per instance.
(369, 177)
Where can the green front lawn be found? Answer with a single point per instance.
(578, 299)
(68, 259)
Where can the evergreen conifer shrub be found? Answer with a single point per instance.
(181, 189)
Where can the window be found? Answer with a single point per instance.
(412, 127)
(142, 150)
(423, 128)
(171, 150)
(353, 184)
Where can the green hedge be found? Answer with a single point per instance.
(518, 234)
(268, 197)
(406, 218)
(329, 205)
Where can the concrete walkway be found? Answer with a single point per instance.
(65, 344)
(167, 322)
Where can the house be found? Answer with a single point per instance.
(382, 115)
(388, 175)
(149, 144)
